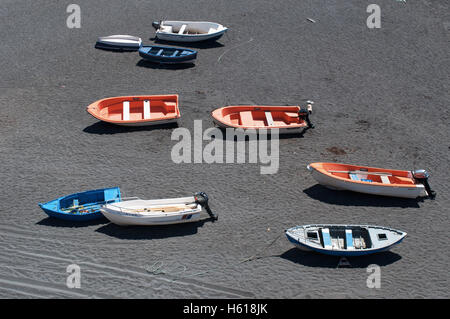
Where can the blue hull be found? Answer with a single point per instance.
(84, 206)
(159, 54)
(351, 253)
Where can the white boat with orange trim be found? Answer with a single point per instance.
(287, 119)
(136, 211)
(372, 180)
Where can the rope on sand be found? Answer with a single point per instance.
(258, 254)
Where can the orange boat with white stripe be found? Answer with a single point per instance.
(371, 180)
(288, 119)
(138, 110)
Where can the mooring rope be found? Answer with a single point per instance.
(258, 254)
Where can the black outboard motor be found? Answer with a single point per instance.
(421, 176)
(202, 199)
(156, 24)
(303, 113)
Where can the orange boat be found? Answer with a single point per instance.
(371, 180)
(288, 119)
(138, 110)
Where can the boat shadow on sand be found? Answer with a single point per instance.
(107, 128)
(55, 222)
(151, 232)
(347, 198)
(208, 44)
(311, 259)
(166, 66)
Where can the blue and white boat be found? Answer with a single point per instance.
(344, 240)
(161, 54)
(82, 206)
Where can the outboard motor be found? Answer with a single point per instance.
(422, 176)
(156, 24)
(202, 199)
(303, 113)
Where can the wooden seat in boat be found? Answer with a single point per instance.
(146, 109)
(246, 118)
(183, 27)
(126, 111)
(385, 179)
(269, 118)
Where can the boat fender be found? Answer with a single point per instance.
(422, 176)
(202, 199)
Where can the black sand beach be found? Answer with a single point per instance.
(381, 99)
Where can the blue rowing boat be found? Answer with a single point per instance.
(159, 54)
(82, 206)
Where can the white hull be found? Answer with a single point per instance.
(153, 212)
(281, 131)
(120, 41)
(149, 123)
(333, 183)
(187, 38)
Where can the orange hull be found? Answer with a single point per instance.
(260, 117)
(136, 110)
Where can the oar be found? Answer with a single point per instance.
(362, 172)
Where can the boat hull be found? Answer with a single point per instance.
(413, 191)
(123, 220)
(269, 130)
(189, 38)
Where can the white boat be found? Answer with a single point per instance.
(344, 240)
(119, 42)
(188, 31)
(135, 211)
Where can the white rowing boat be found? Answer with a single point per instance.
(136, 211)
(188, 31)
(119, 42)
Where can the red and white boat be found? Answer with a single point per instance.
(372, 180)
(287, 119)
(138, 110)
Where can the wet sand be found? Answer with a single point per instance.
(381, 99)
